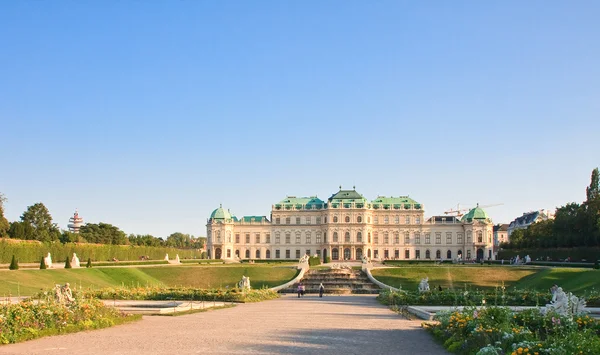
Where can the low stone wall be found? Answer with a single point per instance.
(304, 267)
(366, 268)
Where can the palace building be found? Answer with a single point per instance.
(348, 226)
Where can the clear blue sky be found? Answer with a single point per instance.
(148, 114)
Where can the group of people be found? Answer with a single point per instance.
(302, 290)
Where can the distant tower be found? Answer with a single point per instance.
(75, 223)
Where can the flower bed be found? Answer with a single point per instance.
(183, 293)
(497, 297)
(29, 320)
(498, 330)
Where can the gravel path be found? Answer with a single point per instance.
(329, 325)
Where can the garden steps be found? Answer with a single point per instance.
(336, 281)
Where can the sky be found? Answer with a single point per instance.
(149, 114)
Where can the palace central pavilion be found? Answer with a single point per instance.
(348, 226)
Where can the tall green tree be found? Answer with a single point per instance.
(4, 225)
(592, 192)
(103, 233)
(39, 218)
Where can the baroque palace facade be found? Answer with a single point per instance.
(348, 226)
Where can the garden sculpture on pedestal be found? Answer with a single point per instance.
(75, 261)
(566, 304)
(424, 285)
(63, 294)
(48, 261)
(244, 284)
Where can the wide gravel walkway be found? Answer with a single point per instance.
(310, 325)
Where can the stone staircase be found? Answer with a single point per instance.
(336, 281)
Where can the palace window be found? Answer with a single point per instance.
(396, 238)
(335, 237)
(258, 254)
(268, 254)
(417, 254)
(268, 238)
(347, 219)
(248, 238)
(359, 219)
(308, 238)
(359, 237)
(449, 238)
(288, 238)
(386, 254)
(229, 253)
(318, 220)
(427, 254)
(319, 253)
(228, 236)
(469, 237)
(257, 238)
(277, 220)
(308, 252)
(406, 254)
(375, 219)
(490, 237)
(459, 238)
(480, 237)
(397, 219)
(298, 238)
(287, 254)
(396, 254)
(406, 238)
(376, 238)
(468, 255)
(334, 219)
(297, 220)
(218, 236)
(438, 238)
(417, 238)
(347, 237)
(438, 254)
(318, 237)
(368, 219)
(427, 238)
(386, 220)
(247, 253)
(449, 254)
(288, 220)
(386, 238)
(297, 253)
(369, 236)
(376, 253)
(277, 238)
(418, 220)
(308, 220)
(237, 237)
(407, 220)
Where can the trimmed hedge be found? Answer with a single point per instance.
(314, 261)
(415, 262)
(31, 251)
(590, 254)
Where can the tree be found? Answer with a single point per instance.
(103, 233)
(4, 225)
(43, 264)
(38, 217)
(14, 264)
(68, 263)
(593, 191)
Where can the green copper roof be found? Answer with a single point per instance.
(396, 203)
(291, 202)
(221, 213)
(475, 213)
(347, 196)
(249, 219)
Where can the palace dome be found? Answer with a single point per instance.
(476, 213)
(221, 214)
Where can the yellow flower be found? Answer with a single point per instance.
(520, 350)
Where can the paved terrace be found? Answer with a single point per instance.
(310, 325)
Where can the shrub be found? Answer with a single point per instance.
(597, 265)
(43, 264)
(327, 259)
(89, 263)
(314, 261)
(183, 293)
(68, 263)
(14, 264)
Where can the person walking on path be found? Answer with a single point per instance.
(321, 290)
(300, 290)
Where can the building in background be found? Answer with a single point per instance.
(347, 227)
(75, 223)
(528, 218)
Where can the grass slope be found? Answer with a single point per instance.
(28, 282)
(570, 279)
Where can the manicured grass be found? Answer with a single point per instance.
(28, 282)
(487, 277)
(451, 276)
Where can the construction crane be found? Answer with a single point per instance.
(459, 212)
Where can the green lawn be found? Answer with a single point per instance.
(452, 276)
(27, 282)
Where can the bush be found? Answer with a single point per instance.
(327, 259)
(68, 263)
(597, 265)
(43, 264)
(14, 264)
(314, 261)
(89, 263)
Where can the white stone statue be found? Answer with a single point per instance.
(167, 257)
(244, 284)
(527, 259)
(177, 261)
(75, 261)
(304, 259)
(63, 294)
(424, 285)
(48, 261)
(365, 259)
(566, 304)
